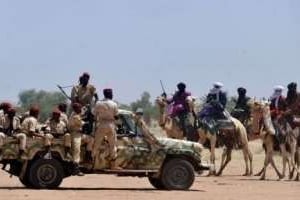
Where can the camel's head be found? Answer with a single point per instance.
(260, 110)
(161, 102)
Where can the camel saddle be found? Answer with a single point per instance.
(225, 124)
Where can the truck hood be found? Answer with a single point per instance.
(180, 145)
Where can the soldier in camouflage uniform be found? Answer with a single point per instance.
(29, 127)
(145, 132)
(4, 106)
(78, 138)
(62, 107)
(84, 92)
(105, 113)
(58, 129)
(11, 127)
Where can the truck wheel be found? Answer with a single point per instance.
(25, 181)
(46, 173)
(178, 174)
(157, 183)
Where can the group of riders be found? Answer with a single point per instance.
(214, 110)
(91, 115)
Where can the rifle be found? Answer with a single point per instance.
(63, 92)
(164, 94)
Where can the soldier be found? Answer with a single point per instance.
(105, 113)
(62, 107)
(143, 128)
(75, 128)
(11, 126)
(84, 92)
(58, 129)
(4, 106)
(30, 128)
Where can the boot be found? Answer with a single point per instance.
(76, 171)
(113, 165)
(88, 156)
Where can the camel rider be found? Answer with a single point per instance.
(293, 105)
(277, 107)
(216, 96)
(242, 108)
(214, 108)
(278, 102)
(84, 92)
(180, 108)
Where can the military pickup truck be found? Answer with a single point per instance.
(169, 165)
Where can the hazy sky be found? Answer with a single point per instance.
(130, 45)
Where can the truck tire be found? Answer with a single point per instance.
(178, 174)
(46, 174)
(25, 181)
(156, 183)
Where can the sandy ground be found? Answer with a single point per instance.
(230, 186)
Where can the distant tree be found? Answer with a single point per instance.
(150, 110)
(44, 99)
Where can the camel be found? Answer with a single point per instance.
(263, 127)
(237, 134)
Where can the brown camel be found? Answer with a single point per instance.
(263, 127)
(237, 134)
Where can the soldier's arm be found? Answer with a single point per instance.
(74, 94)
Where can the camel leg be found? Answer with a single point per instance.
(212, 156)
(284, 158)
(268, 141)
(227, 153)
(224, 157)
(248, 160)
(276, 169)
(292, 159)
(297, 157)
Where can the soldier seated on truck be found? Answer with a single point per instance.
(30, 128)
(58, 129)
(10, 126)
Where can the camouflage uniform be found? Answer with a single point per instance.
(83, 95)
(75, 128)
(64, 118)
(105, 112)
(12, 128)
(141, 125)
(59, 130)
(29, 125)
